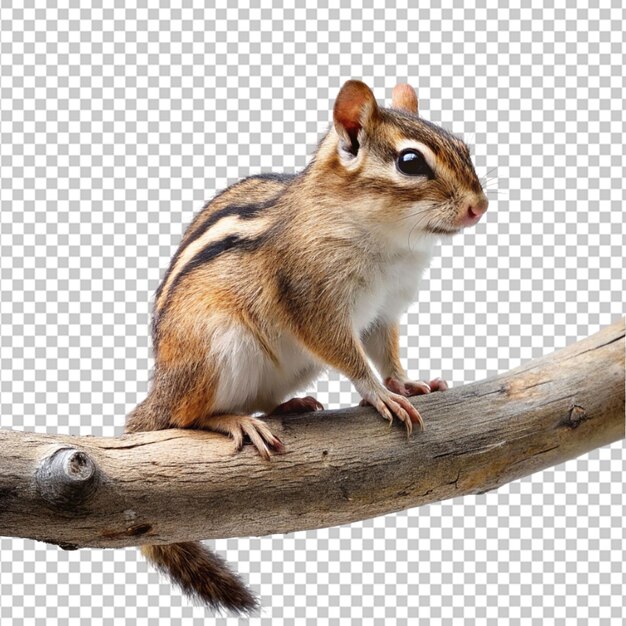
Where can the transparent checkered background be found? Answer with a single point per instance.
(117, 124)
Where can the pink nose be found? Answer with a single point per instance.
(473, 212)
(478, 208)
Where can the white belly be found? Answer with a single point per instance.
(249, 379)
(391, 290)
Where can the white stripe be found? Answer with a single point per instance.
(226, 226)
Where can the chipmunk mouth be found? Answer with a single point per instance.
(440, 230)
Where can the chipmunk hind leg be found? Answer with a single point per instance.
(256, 375)
(230, 380)
(196, 407)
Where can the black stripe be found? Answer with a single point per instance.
(215, 249)
(244, 211)
(207, 254)
(283, 177)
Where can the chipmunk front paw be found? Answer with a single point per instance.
(391, 405)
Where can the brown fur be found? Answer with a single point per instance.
(274, 257)
(202, 575)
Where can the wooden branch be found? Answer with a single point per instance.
(339, 466)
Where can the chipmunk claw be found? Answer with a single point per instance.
(392, 405)
(242, 427)
(261, 437)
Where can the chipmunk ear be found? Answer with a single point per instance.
(404, 98)
(355, 107)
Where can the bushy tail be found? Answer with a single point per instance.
(202, 575)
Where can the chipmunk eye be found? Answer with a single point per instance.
(412, 163)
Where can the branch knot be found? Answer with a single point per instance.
(67, 479)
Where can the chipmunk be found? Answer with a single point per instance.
(280, 276)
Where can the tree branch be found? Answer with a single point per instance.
(339, 466)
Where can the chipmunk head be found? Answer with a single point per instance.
(407, 171)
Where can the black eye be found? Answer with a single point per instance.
(412, 163)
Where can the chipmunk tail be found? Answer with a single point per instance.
(202, 575)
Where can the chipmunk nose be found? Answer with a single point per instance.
(478, 208)
(473, 211)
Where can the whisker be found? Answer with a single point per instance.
(416, 224)
(499, 195)
(408, 240)
(485, 181)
